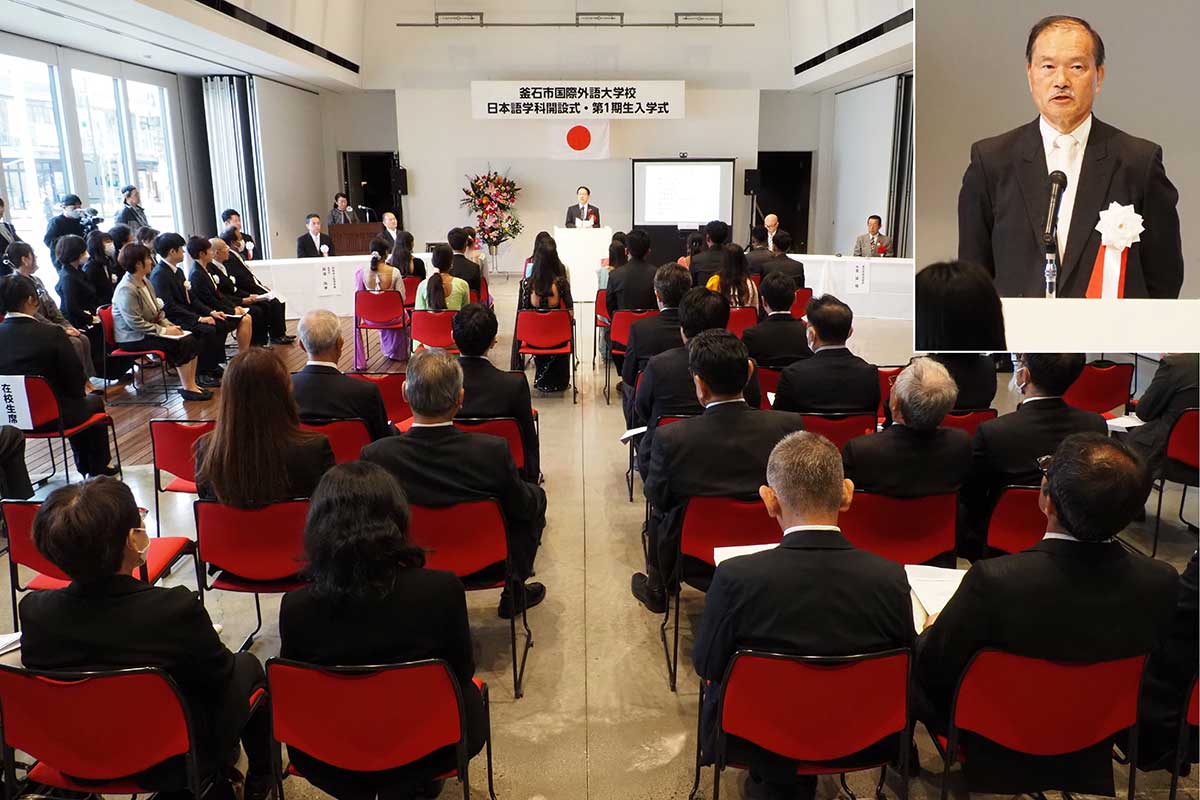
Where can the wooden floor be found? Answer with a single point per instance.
(133, 431)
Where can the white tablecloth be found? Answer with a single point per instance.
(879, 288)
(305, 283)
(1078, 325)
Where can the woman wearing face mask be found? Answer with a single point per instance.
(101, 266)
(77, 295)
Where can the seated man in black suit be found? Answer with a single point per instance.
(1006, 449)
(322, 391)
(205, 288)
(314, 244)
(30, 347)
(461, 266)
(781, 262)
(1077, 595)
(760, 249)
(247, 284)
(1175, 387)
(667, 388)
(708, 262)
(834, 380)
(108, 619)
(182, 308)
(653, 335)
(631, 287)
(730, 433)
(780, 339)
(439, 465)
(814, 595)
(492, 392)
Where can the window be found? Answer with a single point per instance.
(96, 104)
(148, 128)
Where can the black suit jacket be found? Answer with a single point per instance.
(1004, 200)
(205, 291)
(77, 297)
(178, 303)
(58, 227)
(102, 274)
(832, 381)
(492, 392)
(1174, 388)
(29, 347)
(788, 266)
(306, 249)
(757, 257)
(226, 286)
(777, 341)
(975, 375)
(243, 277)
(1058, 600)
(573, 214)
(902, 462)
(647, 338)
(705, 264)
(468, 270)
(305, 463)
(631, 287)
(325, 393)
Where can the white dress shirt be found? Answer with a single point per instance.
(1064, 151)
(316, 237)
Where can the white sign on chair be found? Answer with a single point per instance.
(15, 402)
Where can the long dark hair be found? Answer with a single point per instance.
(95, 248)
(734, 275)
(13, 255)
(243, 457)
(546, 268)
(695, 243)
(538, 240)
(356, 536)
(435, 292)
(121, 235)
(402, 253)
(617, 257)
(379, 252)
(957, 308)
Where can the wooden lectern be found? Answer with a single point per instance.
(354, 239)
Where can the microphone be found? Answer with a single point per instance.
(1058, 184)
(368, 208)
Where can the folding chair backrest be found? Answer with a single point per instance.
(347, 437)
(796, 706)
(545, 329)
(768, 383)
(800, 304)
(504, 427)
(601, 308)
(840, 428)
(43, 405)
(1101, 387)
(411, 282)
(18, 519)
(1184, 442)
(622, 322)
(1016, 523)
(710, 522)
(434, 328)
(106, 322)
(463, 538)
(378, 307)
(1046, 708)
(741, 318)
(968, 421)
(887, 376)
(98, 725)
(173, 443)
(260, 544)
(907, 530)
(671, 419)
(391, 386)
(1193, 707)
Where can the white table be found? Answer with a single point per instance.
(302, 282)
(581, 250)
(1078, 325)
(887, 292)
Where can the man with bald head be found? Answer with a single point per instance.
(1004, 201)
(771, 223)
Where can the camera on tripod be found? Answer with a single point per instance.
(90, 219)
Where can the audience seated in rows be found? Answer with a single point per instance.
(780, 339)
(1077, 595)
(78, 300)
(547, 288)
(439, 465)
(760, 250)
(730, 433)
(183, 308)
(206, 294)
(834, 380)
(957, 308)
(380, 276)
(975, 376)
(656, 334)
(631, 285)
(258, 311)
(814, 595)
(371, 601)
(14, 475)
(1173, 389)
(250, 287)
(780, 262)
(322, 392)
(733, 279)
(107, 619)
(707, 262)
(101, 267)
(461, 266)
(489, 391)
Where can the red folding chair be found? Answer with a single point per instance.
(1101, 387)
(887, 377)
(800, 304)
(379, 311)
(467, 538)
(18, 516)
(741, 318)
(907, 530)
(708, 523)
(433, 329)
(548, 332)
(347, 437)
(411, 283)
(173, 450)
(157, 357)
(1043, 708)
(1181, 465)
(618, 338)
(256, 550)
(504, 427)
(44, 413)
(79, 724)
(768, 383)
(482, 295)
(666, 419)
(1016, 523)
(968, 421)
(599, 320)
(795, 706)
(371, 718)
(840, 428)
(1188, 719)
(391, 386)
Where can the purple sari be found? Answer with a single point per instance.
(395, 343)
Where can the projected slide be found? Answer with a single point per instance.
(683, 193)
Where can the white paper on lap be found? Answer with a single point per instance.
(933, 586)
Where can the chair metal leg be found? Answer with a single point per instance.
(717, 781)
(882, 780)
(1182, 502)
(675, 656)
(66, 459)
(629, 472)
(1133, 760)
(947, 759)
(512, 635)
(258, 627)
(607, 365)
(1162, 490)
(845, 787)
(487, 721)
(662, 634)
(696, 778)
(12, 590)
(112, 426)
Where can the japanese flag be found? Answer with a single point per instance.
(579, 140)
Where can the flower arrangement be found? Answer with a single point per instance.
(490, 197)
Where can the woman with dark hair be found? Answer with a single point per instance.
(538, 241)
(733, 279)
(957, 308)
(380, 276)
(371, 601)
(258, 454)
(441, 290)
(77, 295)
(145, 236)
(546, 288)
(473, 252)
(695, 244)
(121, 235)
(402, 257)
(101, 268)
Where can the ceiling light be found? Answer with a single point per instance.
(701, 18)
(458, 18)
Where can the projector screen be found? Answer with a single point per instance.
(685, 193)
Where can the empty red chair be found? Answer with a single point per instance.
(599, 320)
(741, 318)
(372, 718)
(433, 329)
(968, 421)
(504, 427)
(173, 450)
(800, 304)
(768, 383)
(618, 338)
(795, 706)
(1043, 708)
(1101, 387)
(548, 332)
(840, 428)
(1181, 465)
(907, 530)
(256, 550)
(157, 358)
(18, 521)
(347, 437)
(465, 539)
(1016, 523)
(411, 283)
(44, 413)
(887, 378)
(391, 386)
(378, 311)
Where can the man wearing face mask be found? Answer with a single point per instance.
(834, 380)
(64, 224)
(1006, 449)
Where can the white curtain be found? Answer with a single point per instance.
(231, 153)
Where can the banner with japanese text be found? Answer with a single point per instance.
(579, 100)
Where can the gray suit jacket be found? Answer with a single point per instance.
(862, 246)
(136, 314)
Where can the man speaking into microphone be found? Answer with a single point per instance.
(1004, 203)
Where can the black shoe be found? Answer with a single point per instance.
(259, 787)
(652, 597)
(200, 396)
(530, 595)
(110, 472)
(283, 339)
(210, 381)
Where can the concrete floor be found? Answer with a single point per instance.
(597, 719)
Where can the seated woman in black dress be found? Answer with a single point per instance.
(547, 288)
(371, 601)
(101, 267)
(76, 294)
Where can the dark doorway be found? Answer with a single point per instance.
(367, 179)
(786, 180)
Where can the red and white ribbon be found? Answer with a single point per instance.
(1120, 227)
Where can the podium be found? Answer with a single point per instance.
(581, 250)
(355, 238)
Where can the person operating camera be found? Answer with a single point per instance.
(66, 223)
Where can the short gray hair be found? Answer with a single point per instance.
(925, 393)
(434, 379)
(319, 331)
(805, 472)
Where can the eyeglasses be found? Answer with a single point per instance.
(1044, 463)
(142, 514)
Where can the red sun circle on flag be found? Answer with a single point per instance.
(579, 137)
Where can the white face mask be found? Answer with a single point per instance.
(73, 213)
(110, 249)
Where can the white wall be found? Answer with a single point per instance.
(816, 26)
(289, 125)
(788, 120)
(356, 121)
(862, 159)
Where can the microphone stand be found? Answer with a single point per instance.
(1051, 265)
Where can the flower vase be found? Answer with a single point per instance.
(494, 259)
